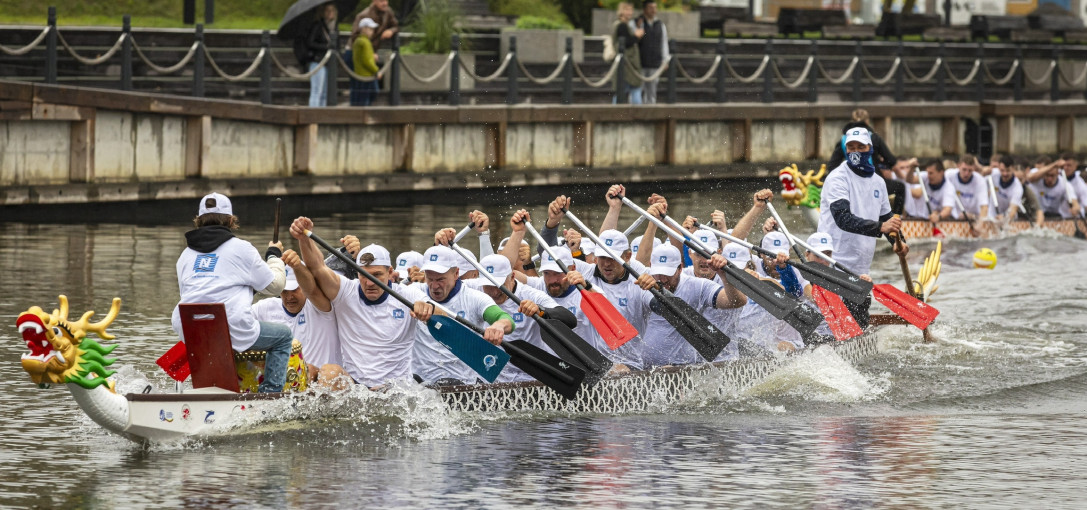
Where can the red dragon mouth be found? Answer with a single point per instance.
(34, 333)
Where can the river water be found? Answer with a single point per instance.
(992, 415)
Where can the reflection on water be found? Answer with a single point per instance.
(992, 415)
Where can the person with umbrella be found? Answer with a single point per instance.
(311, 25)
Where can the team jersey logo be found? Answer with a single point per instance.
(622, 301)
(572, 309)
(875, 193)
(301, 319)
(461, 314)
(205, 263)
(398, 314)
(518, 317)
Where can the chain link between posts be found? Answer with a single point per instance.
(170, 69)
(92, 61)
(29, 47)
(1045, 74)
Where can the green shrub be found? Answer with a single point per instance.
(547, 9)
(536, 22)
(434, 22)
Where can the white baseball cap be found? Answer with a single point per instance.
(502, 243)
(707, 238)
(821, 241)
(463, 263)
(292, 279)
(737, 253)
(380, 255)
(776, 242)
(858, 134)
(666, 259)
(408, 259)
(439, 259)
(222, 204)
(548, 264)
(497, 266)
(588, 246)
(637, 243)
(367, 23)
(615, 241)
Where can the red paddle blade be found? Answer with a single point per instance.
(936, 232)
(175, 362)
(841, 322)
(612, 326)
(904, 305)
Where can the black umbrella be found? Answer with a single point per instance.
(301, 14)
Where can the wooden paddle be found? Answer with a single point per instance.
(706, 339)
(900, 239)
(557, 335)
(275, 231)
(466, 342)
(615, 329)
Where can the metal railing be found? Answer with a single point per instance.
(771, 69)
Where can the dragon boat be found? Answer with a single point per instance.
(61, 352)
(803, 190)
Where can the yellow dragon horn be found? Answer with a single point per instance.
(99, 328)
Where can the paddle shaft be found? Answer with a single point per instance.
(781, 225)
(821, 255)
(351, 263)
(729, 237)
(275, 230)
(541, 242)
(691, 242)
(909, 285)
(626, 232)
(599, 243)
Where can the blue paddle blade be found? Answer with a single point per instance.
(480, 355)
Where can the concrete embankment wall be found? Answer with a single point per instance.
(74, 145)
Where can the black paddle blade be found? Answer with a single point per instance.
(775, 300)
(804, 320)
(555, 373)
(846, 285)
(575, 350)
(696, 329)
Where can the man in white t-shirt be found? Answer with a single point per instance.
(854, 210)
(971, 189)
(407, 264)
(217, 267)
(1053, 198)
(306, 310)
(376, 331)
(1009, 191)
(941, 201)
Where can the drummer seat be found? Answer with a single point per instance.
(207, 340)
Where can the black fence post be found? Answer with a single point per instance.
(454, 73)
(51, 48)
(722, 72)
(198, 63)
(568, 73)
(947, 13)
(265, 68)
(511, 73)
(126, 53)
(941, 88)
(672, 63)
(332, 74)
(813, 74)
(857, 74)
(767, 74)
(979, 92)
(621, 88)
(1055, 77)
(188, 12)
(209, 12)
(394, 73)
(900, 73)
(1017, 80)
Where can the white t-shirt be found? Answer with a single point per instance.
(431, 360)
(314, 329)
(1052, 199)
(230, 275)
(723, 318)
(633, 304)
(1080, 187)
(937, 198)
(867, 198)
(376, 337)
(761, 328)
(663, 343)
(972, 194)
(1006, 198)
(525, 328)
(571, 300)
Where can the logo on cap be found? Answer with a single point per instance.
(663, 259)
(404, 262)
(704, 239)
(732, 255)
(490, 269)
(607, 242)
(433, 257)
(856, 131)
(777, 242)
(823, 241)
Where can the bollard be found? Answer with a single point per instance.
(671, 97)
(768, 74)
(1055, 78)
(621, 88)
(813, 77)
(979, 91)
(332, 73)
(126, 54)
(512, 73)
(209, 12)
(394, 73)
(198, 64)
(454, 73)
(941, 90)
(266, 68)
(900, 73)
(568, 73)
(722, 72)
(857, 75)
(51, 48)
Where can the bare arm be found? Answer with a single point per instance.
(512, 249)
(306, 282)
(744, 226)
(327, 281)
(615, 206)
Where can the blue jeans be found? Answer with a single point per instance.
(318, 86)
(274, 339)
(635, 96)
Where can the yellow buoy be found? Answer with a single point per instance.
(985, 259)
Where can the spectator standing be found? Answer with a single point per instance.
(653, 47)
(627, 30)
(387, 24)
(362, 55)
(322, 36)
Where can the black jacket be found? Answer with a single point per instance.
(881, 155)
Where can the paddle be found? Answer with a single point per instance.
(834, 310)
(706, 339)
(567, 344)
(769, 296)
(904, 305)
(626, 232)
(275, 231)
(970, 220)
(901, 239)
(936, 232)
(606, 320)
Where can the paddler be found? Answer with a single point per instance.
(1053, 198)
(1009, 191)
(973, 192)
(941, 199)
(854, 210)
(217, 267)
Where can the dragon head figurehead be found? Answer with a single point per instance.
(802, 189)
(61, 352)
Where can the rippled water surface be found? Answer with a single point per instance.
(992, 415)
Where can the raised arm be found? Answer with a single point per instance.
(512, 249)
(747, 222)
(327, 281)
(615, 206)
(645, 249)
(483, 228)
(306, 282)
